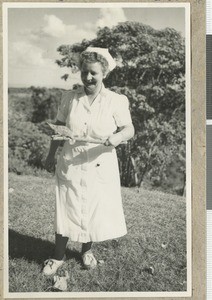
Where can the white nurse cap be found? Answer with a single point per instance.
(105, 53)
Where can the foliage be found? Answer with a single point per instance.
(151, 73)
(20, 104)
(28, 146)
(29, 142)
(45, 103)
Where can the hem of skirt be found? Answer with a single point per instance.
(90, 238)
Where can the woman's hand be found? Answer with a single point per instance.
(126, 132)
(50, 163)
(114, 140)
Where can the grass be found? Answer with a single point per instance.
(156, 238)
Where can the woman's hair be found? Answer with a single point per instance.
(93, 57)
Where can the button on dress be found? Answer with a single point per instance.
(88, 193)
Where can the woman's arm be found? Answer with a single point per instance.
(126, 132)
(50, 160)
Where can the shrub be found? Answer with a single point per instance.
(45, 103)
(28, 146)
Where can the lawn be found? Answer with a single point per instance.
(151, 257)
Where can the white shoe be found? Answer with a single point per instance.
(89, 260)
(51, 266)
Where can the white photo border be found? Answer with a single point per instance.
(186, 6)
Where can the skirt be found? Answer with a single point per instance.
(88, 193)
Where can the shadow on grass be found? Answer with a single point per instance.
(34, 249)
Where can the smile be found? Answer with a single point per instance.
(90, 83)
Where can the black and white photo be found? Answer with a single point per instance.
(98, 159)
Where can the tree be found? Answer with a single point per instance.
(151, 73)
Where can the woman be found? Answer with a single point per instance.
(88, 199)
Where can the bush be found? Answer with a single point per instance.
(28, 146)
(20, 104)
(45, 103)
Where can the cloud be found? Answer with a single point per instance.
(110, 17)
(75, 34)
(24, 54)
(54, 26)
(28, 34)
(37, 47)
(34, 50)
(56, 30)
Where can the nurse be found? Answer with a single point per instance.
(88, 194)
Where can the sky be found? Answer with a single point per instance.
(34, 35)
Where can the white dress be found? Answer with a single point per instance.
(88, 194)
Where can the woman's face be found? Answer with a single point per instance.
(92, 76)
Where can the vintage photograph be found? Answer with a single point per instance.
(97, 157)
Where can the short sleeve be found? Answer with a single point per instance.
(121, 112)
(63, 109)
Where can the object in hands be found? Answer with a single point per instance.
(64, 133)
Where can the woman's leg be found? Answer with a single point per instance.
(60, 246)
(89, 261)
(51, 265)
(86, 247)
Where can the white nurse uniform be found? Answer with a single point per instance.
(88, 194)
